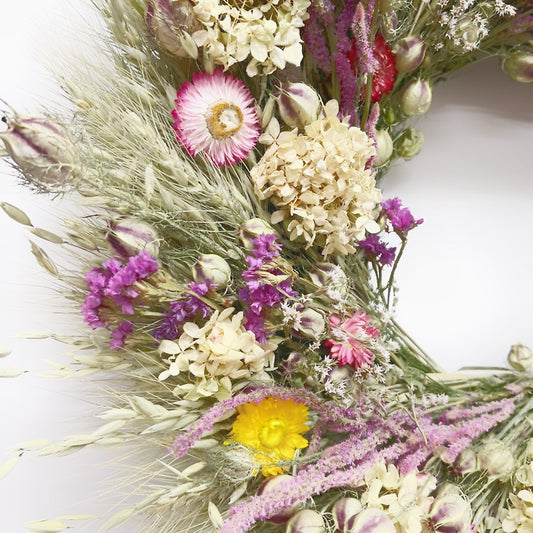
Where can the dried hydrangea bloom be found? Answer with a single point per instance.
(320, 184)
(404, 498)
(266, 34)
(214, 355)
(518, 517)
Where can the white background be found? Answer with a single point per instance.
(466, 288)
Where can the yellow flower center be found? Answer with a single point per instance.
(273, 432)
(224, 120)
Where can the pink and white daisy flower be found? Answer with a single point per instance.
(215, 115)
(349, 348)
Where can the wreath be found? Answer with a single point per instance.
(233, 260)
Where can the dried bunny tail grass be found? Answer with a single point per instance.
(132, 163)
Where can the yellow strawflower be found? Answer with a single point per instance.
(272, 430)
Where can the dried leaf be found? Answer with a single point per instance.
(8, 466)
(194, 468)
(117, 519)
(148, 408)
(30, 445)
(10, 372)
(238, 492)
(4, 350)
(78, 517)
(110, 427)
(215, 515)
(160, 426)
(46, 526)
(43, 259)
(34, 335)
(205, 444)
(47, 235)
(150, 182)
(16, 214)
(119, 414)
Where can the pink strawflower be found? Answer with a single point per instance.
(215, 115)
(348, 349)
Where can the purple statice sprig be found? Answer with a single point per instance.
(190, 308)
(376, 249)
(112, 287)
(261, 294)
(400, 218)
(364, 438)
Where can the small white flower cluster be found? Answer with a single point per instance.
(467, 22)
(432, 400)
(215, 354)
(267, 34)
(320, 184)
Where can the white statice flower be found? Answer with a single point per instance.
(214, 355)
(319, 183)
(405, 499)
(265, 34)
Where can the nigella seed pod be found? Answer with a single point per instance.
(520, 357)
(373, 521)
(252, 229)
(329, 275)
(524, 475)
(41, 149)
(171, 22)
(311, 323)
(465, 462)
(496, 459)
(384, 147)
(519, 65)
(409, 52)
(306, 521)
(450, 513)
(298, 105)
(415, 98)
(409, 143)
(344, 513)
(213, 268)
(270, 485)
(127, 236)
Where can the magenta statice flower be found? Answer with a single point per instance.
(215, 115)
(185, 310)
(346, 346)
(374, 248)
(112, 286)
(401, 219)
(260, 296)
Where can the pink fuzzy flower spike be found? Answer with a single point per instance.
(348, 349)
(215, 115)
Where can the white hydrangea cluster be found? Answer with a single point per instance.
(519, 517)
(404, 499)
(266, 34)
(319, 183)
(215, 354)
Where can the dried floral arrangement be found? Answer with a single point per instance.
(234, 263)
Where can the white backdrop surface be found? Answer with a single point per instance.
(466, 277)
